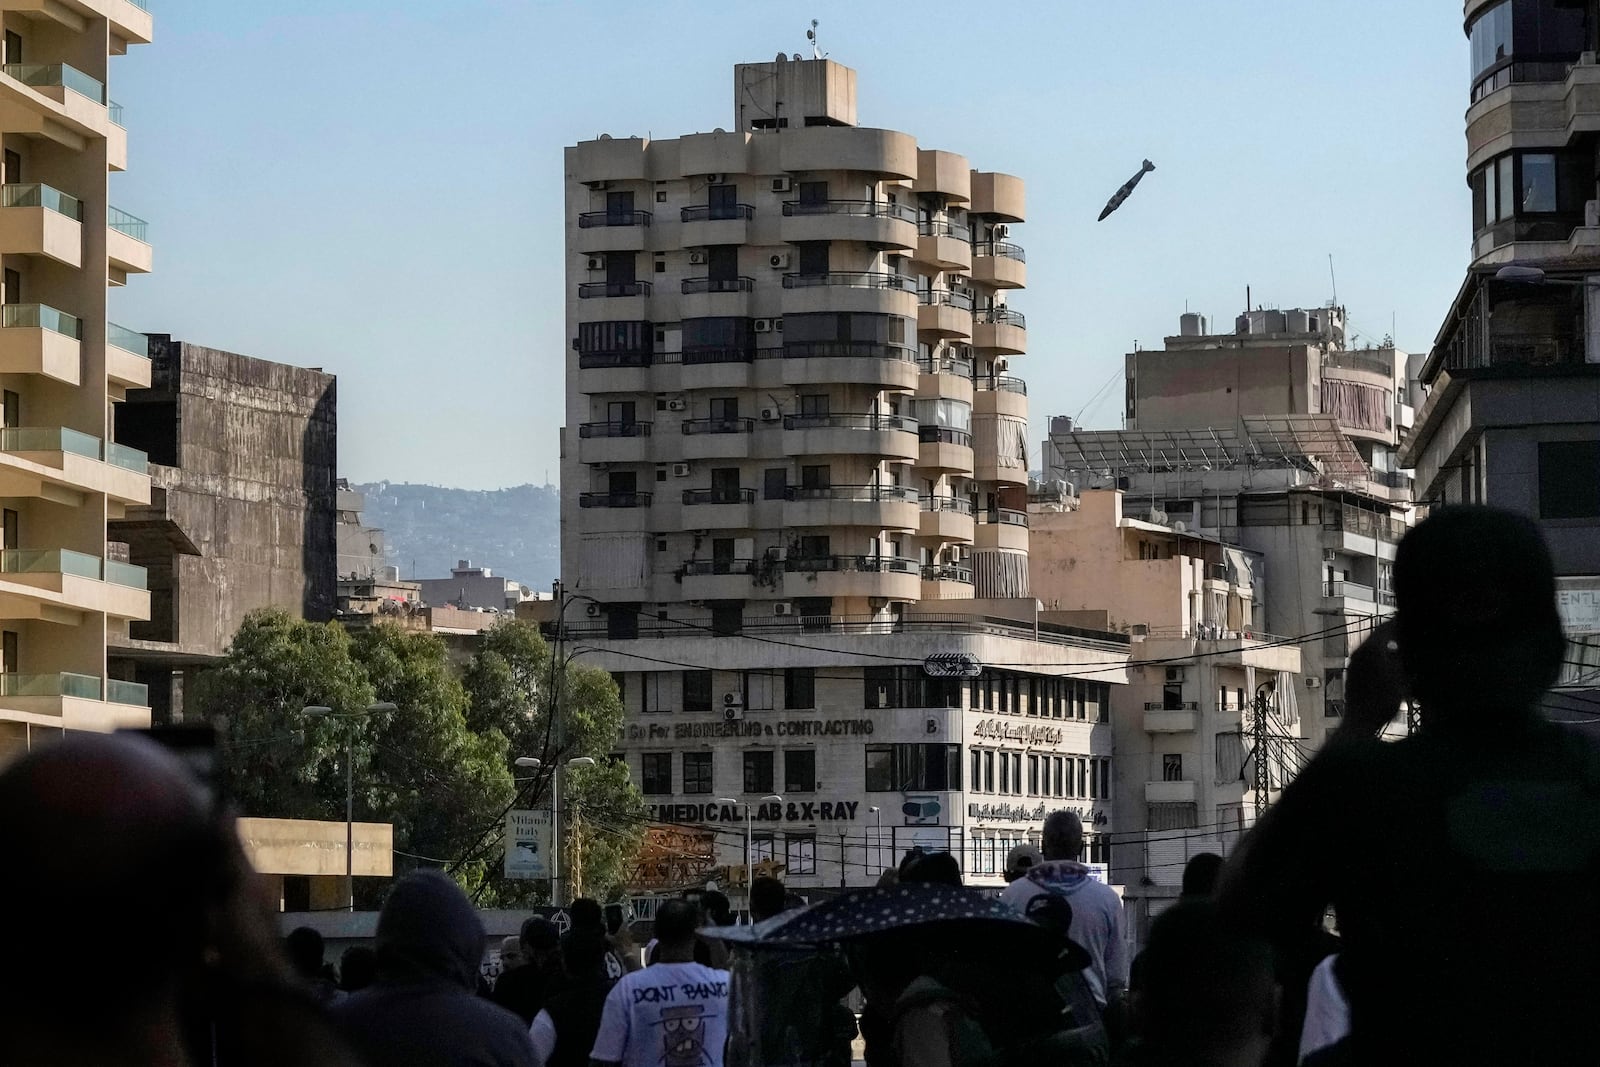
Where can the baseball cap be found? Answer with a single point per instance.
(1021, 859)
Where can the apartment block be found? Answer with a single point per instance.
(63, 588)
(795, 465)
(1513, 416)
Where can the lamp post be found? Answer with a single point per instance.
(749, 869)
(877, 836)
(534, 763)
(322, 711)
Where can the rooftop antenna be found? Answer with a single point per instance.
(811, 35)
(1333, 280)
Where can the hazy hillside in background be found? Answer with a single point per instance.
(427, 528)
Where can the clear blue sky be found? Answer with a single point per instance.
(375, 187)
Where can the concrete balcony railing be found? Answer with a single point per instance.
(1170, 792)
(878, 223)
(1000, 329)
(43, 221)
(613, 231)
(1002, 528)
(1000, 395)
(944, 313)
(718, 509)
(77, 701)
(1159, 719)
(865, 291)
(615, 500)
(38, 339)
(944, 245)
(999, 264)
(892, 507)
(614, 442)
(592, 219)
(948, 518)
(722, 438)
(853, 577)
(891, 366)
(57, 76)
(715, 224)
(879, 436)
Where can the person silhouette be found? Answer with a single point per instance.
(1463, 862)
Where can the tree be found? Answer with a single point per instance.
(609, 815)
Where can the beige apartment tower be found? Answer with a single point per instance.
(794, 464)
(62, 366)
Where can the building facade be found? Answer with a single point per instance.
(792, 425)
(362, 555)
(243, 453)
(1513, 415)
(474, 588)
(63, 587)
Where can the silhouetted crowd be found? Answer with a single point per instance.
(1431, 899)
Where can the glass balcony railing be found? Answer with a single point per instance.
(119, 573)
(51, 74)
(61, 439)
(82, 686)
(128, 340)
(114, 109)
(132, 225)
(35, 195)
(132, 693)
(50, 561)
(41, 315)
(129, 459)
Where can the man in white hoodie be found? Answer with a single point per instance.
(1096, 908)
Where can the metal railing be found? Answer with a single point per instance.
(854, 279)
(716, 212)
(734, 425)
(1365, 524)
(851, 564)
(847, 350)
(946, 572)
(128, 340)
(1358, 361)
(944, 435)
(135, 694)
(63, 684)
(959, 299)
(589, 220)
(615, 500)
(850, 422)
(1182, 705)
(946, 365)
(718, 285)
(129, 225)
(875, 209)
(861, 493)
(700, 567)
(35, 194)
(589, 290)
(1002, 383)
(41, 316)
(114, 112)
(614, 429)
(1004, 249)
(53, 74)
(719, 496)
(732, 354)
(1000, 316)
(1003, 516)
(1392, 479)
(959, 504)
(944, 228)
(608, 360)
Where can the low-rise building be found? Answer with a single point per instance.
(470, 587)
(362, 552)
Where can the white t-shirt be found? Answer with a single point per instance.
(1327, 1011)
(667, 1015)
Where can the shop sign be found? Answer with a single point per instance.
(952, 665)
(921, 810)
(794, 811)
(529, 838)
(1031, 733)
(690, 731)
(1006, 812)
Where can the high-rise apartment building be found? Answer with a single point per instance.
(62, 365)
(794, 466)
(1513, 416)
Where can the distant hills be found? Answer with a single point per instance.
(427, 528)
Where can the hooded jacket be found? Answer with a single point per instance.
(1096, 919)
(423, 1010)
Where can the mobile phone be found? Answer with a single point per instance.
(196, 745)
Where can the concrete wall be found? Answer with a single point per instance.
(1219, 386)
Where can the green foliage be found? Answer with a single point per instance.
(611, 818)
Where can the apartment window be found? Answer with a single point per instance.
(696, 690)
(11, 408)
(800, 770)
(725, 488)
(800, 853)
(718, 339)
(758, 772)
(619, 208)
(908, 687)
(724, 409)
(811, 192)
(816, 476)
(1005, 773)
(1172, 816)
(761, 848)
(727, 617)
(975, 771)
(812, 257)
(1105, 779)
(723, 201)
(655, 691)
(758, 690)
(13, 55)
(697, 772)
(1172, 767)
(656, 774)
(13, 286)
(800, 687)
(907, 767)
(620, 268)
(1071, 781)
(1056, 761)
(775, 483)
(722, 263)
(622, 621)
(1016, 773)
(988, 772)
(10, 653)
(1569, 479)
(1033, 775)
(1085, 787)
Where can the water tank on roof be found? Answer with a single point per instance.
(1061, 424)
(391, 574)
(1191, 324)
(1243, 324)
(1299, 322)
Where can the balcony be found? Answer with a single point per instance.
(615, 500)
(999, 264)
(718, 509)
(57, 76)
(1364, 596)
(716, 297)
(127, 357)
(725, 438)
(877, 223)
(944, 448)
(41, 221)
(718, 285)
(1348, 522)
(133, 694)
(591, 219)
(1000, 395)
(867, 291)
(73, 580)
(613, 231)
(1002, 528)
(38, 339)
(944, 245)
(852, 576)
(719, 579)
(1000, 329)
(617, 512)
(878, 436)
(34, 458)
(890, 507)
(1170, 792)
(889, 366)
(944, 313)
(946, 581)
(948, 518)
(127, 242)
(720, 224)
(598, 290)
(1160, 719)
(887, 153)
(997, 197)
(613, 442)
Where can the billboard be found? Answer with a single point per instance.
(530, 845)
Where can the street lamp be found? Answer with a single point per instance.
(322, 710)
(1516, 272)
(749, 869)
(534, 763)
(877, 837)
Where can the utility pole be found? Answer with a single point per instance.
(558, 674)
(1413, 717)
(1263, 773)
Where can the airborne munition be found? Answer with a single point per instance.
(1127, 189)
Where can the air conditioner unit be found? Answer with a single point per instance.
(770, 415)
(599, 187)
(733, 713)
(783, 608)
(782, 185)
(1001, 232)
(777, 324)
(1174, 674)
(597, 262)
(715, 179)
(697, 257)
(778, 261)
(1140, 629)
(1001, 365)
(733, 700)
(1329, 555)
(593, 610)
(677, 403)
(680, 470)
(1313, 683)
(763, 326)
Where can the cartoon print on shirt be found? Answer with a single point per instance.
(683, 1036)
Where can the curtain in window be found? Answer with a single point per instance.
(1230, 758)
(1353, 404)
(613, 561)
(1000, 573)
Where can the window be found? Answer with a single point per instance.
(800, 687)
(908, 687)
(758, 690)
(656, 774)
(696, 690)
(814, 406)
(813, 257)
(1033, 775)
(697, 772)
(1569, 479)
(975, 773)
(800, 770)
(723, 200)
(727, 617)
(722, 263)
(761, 848)
(622, 621)
(1005, 773)
(774, 483)
(907, 767)
(758, 772)
(620, 267)
(800, 853)
(1071, 781)
(1056, 760)
(1105, 779)
(988, 772)
(1016, 773)
(724, 409)
(811, 192)
(1538, 182)
(718, 339)
(655, 688)
(1085, 788)
(816, 476)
